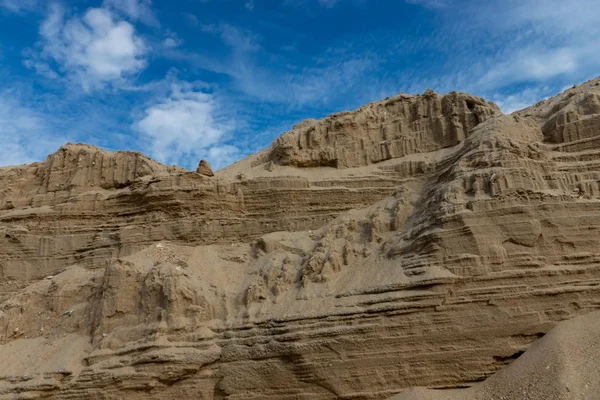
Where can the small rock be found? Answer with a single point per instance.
(204, 168)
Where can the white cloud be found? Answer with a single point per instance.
(186, 126)
(223, 155)
(171, 42)
(94, 49)
(41, 68)
(24, 134)
(134, 9)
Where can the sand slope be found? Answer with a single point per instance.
(564, 364)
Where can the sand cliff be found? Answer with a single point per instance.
(418, 241)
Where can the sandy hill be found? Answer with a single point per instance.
(422, 241)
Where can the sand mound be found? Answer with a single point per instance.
(564, 364)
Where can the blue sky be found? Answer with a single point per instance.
(182, 80)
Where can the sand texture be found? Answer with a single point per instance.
(421, 241)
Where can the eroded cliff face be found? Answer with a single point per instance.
(388, 129)
(86, 206)
(434, 264)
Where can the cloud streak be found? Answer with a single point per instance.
(133, 9)
(510, 48)
(333, 74)
(18, 6)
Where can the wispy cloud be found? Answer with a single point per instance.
(521, 99)
(187, 125)
(93, 50)
(191, 19)
(18, 6)
(305, 3)
(318, 84)
(533, 65)
(321, 79)
(25, 135)
(134, 9)
(510, 48)
(328, 3)
(240, 40)
(554, 17)
(430, 3)
(539, 40)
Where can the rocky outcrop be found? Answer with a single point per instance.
(271, 281)
(73, 169)
(84, 205)
(570, 121)
(388, 129)
(204, 168)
